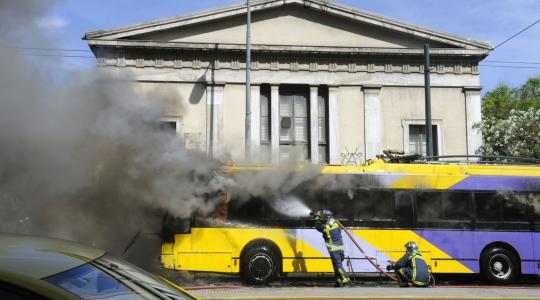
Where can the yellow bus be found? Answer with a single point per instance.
(466, 218)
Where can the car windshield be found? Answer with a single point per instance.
(146, 279)
(89, 282)
(112, 278)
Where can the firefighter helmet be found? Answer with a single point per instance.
(327, 215)
(322, 215)
(411, 248)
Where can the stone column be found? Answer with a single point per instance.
(314, 123)
(333, 126)
(255, 121)
(214, 119)
(274, 123)
(372, 117)
(474, 115)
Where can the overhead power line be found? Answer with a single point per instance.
(509, 67)
(56, 55)
(537, 21)
(511, 62)
(53, 49)
(45, 49)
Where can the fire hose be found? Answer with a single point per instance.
(369, 258)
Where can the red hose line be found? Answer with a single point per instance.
(391, 277)
(212, 287)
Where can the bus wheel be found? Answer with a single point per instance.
(499, 265)
(259, 265)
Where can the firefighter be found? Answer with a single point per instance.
(325, 223)
(411, 268)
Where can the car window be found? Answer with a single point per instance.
(89, 282)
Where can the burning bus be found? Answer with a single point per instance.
(467, 217)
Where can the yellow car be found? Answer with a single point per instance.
(43, 268)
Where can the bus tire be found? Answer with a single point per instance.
(500, 266)
(259, 265)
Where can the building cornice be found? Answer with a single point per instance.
(285, 48)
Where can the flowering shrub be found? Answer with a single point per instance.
(516, 135)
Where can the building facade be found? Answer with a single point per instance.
(329, 83)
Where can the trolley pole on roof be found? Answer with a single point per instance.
(429, 133)
(248, 83)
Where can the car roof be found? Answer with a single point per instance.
(39, 257)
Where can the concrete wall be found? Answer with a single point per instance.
(398, 104)
(234, 118)
(408, 103)
(184, 100)
(351, 123)
(292, 26)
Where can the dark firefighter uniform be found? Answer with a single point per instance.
(411, 268)
(334, 243)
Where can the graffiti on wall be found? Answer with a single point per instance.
(351, 158)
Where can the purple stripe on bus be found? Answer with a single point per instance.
(469, 245)
(494, 183)
(457, 244)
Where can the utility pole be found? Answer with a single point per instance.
(429, 133)
(248, 83)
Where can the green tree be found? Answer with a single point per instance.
(511, 120)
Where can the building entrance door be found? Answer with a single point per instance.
(294, 124)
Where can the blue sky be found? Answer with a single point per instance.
(493, 21)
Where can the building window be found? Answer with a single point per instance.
(173, 125)
(167, 126)
(265, 150)
(414, 137)
(323, 127)
(417, 139)
(294, 124)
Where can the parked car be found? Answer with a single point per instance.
(44, 268)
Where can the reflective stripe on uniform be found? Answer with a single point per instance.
(327, 229)
(345, 279)
(332, 248)
(330, 243)
(413, 279)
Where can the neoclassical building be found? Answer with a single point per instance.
(330, 83)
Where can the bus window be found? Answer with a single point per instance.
(252, 210)
(443, 210)
(172, 226)
(456, 206)
(517, 211)
(488, 210)
(502, 210)
(340, 204)
(429, 206)
(535, 201)
(515, 207)
(404, 209)
(373, 208)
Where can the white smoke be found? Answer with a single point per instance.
(85, 159)
(291, 206)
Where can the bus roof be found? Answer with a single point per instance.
(380, 166)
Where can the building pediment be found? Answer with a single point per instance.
(293, 23)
